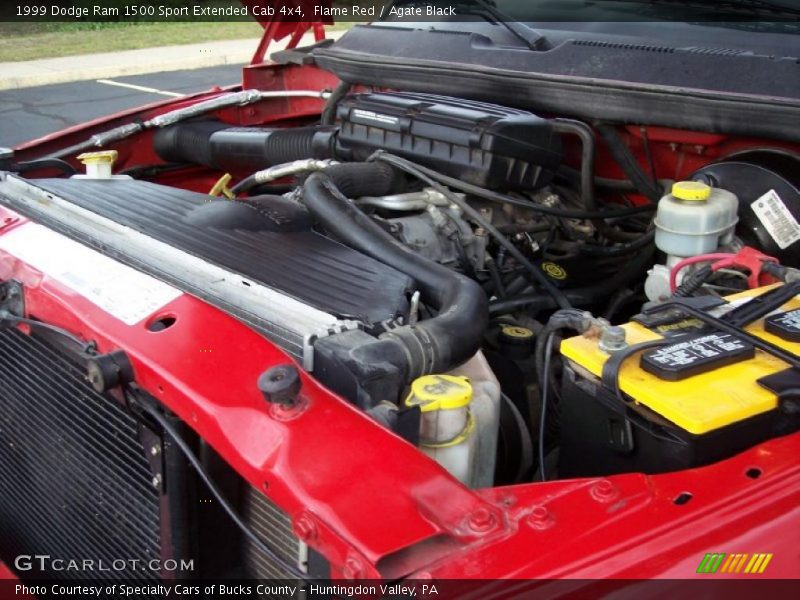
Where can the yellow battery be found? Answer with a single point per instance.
(704, 402)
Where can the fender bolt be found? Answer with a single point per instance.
(482, 520)
(305, 529)
(604, 491)
(541, 518)
(353, 569)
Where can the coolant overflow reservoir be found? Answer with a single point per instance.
(695, 219)
(447, 425)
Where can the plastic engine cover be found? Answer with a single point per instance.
(484, 144)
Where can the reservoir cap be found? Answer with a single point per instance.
(515, 341)
(107, 157)
(515, 334)
(692, 191)
(440, 392)
(99, 164)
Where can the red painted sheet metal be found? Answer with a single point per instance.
(630, 526)
(285, 11)
(9, 582)
(288, 18)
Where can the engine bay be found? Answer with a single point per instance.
(425, 257)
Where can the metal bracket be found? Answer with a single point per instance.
(154, 452)
(312, 338)
(107, 371)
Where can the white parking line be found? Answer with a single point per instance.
(140, 88)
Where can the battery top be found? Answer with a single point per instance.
(701, 402)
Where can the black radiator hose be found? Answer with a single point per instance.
(237, 149)
(437, 344)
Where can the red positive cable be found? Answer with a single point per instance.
(692, 260)
(749, 259)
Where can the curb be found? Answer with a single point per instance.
(39, 79)
(66, 69)
(50, 72)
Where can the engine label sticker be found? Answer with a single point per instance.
(368, 115)
(776, 219)
(118, 289)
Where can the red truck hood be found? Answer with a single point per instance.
(285, 23)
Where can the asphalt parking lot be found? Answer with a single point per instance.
(29, 113)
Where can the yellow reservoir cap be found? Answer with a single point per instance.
(517, 332)
(693, 191)
(440, 392)
(103, 156)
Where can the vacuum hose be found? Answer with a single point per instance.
(437, 344)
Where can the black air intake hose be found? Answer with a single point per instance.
(220, 146)
(187, 142)
(435, 345)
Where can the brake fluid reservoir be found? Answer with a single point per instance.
(695, 219)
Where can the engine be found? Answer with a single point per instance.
(425, 256)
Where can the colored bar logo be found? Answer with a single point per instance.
(719, 562)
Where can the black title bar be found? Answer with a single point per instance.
(166, 11)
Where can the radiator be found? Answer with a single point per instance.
(274, 527)
(75, 482)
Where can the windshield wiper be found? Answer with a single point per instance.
(532, 38)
